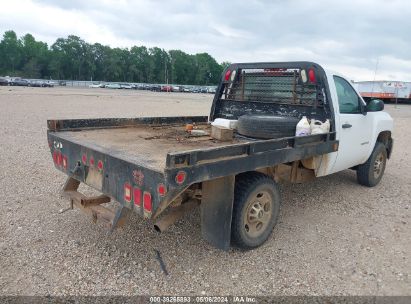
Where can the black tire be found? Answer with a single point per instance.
(370, 173)
(266, 127)
(248, 187)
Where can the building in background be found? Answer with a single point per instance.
(390, 91)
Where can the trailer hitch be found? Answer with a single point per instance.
(92, 205)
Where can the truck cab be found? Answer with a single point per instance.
(359, 126)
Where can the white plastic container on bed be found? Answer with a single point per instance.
(303, 127)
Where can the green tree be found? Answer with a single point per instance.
(183, 67)
(11, 52)
(208, 70)
(73, 58)
(35, 55)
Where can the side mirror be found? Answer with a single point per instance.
(375, 105)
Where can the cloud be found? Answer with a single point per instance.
(348, 36)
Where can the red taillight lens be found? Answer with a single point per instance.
(55, 157)
(100, 165)
(227, 75)
(311, 75)
(127, 192)
(65, 162)
(161, 190)
(84, 159)
(147, 201)
(180, 177)
(91, 161)
(59, 158)
(137, 196)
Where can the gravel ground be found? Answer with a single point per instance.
(334, 236)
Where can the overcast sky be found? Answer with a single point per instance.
(347, 36)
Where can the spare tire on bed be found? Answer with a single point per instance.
(266, 127)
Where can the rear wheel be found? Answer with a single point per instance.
(256, 208)
(370, 173)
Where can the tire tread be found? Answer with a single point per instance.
(241, 192)
(363, 172)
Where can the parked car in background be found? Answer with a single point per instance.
(47, 84)
(95, 85)
(176, 89)
(195, 90)
(155, 88)
(62, 83)
(35, 83)
(212, 90)
(126, 86)
(113, 86)
(19, 82)
(4, 81)
(203, 90)
(166, 88)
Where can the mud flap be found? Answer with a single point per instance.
(120, 218)
(216, 211)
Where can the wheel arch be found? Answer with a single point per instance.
(385, 138)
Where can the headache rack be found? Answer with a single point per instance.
(287, 89)
(281, 86)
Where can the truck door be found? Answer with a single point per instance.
(354, 128)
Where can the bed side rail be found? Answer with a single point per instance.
(98, 123)
(194, 157)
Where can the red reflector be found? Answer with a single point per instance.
(137, 196)
(59, 159)
(91, 161)
(227, 75)
(84, 159)
(127, 192)
(100, 165)
(65, 162)
(55, 157)
(311, 75)
(180, 177)
(147, 201)
(161, 189)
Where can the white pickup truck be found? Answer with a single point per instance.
(157, 169)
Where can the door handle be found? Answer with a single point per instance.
(346, 126)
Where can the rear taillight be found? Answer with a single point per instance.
(59, 158)
(180, 177)
(311, 75)
(232, 75)
(100, 165)
(92, 161)
(147, 201)
(84, 159)
(55, 157)
(161, 189)
(127, 192)
(137, 196)
(65, 162)
(227, 75)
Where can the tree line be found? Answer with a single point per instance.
(73, 58)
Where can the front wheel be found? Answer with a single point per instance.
(370, 173)
(256, 209)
